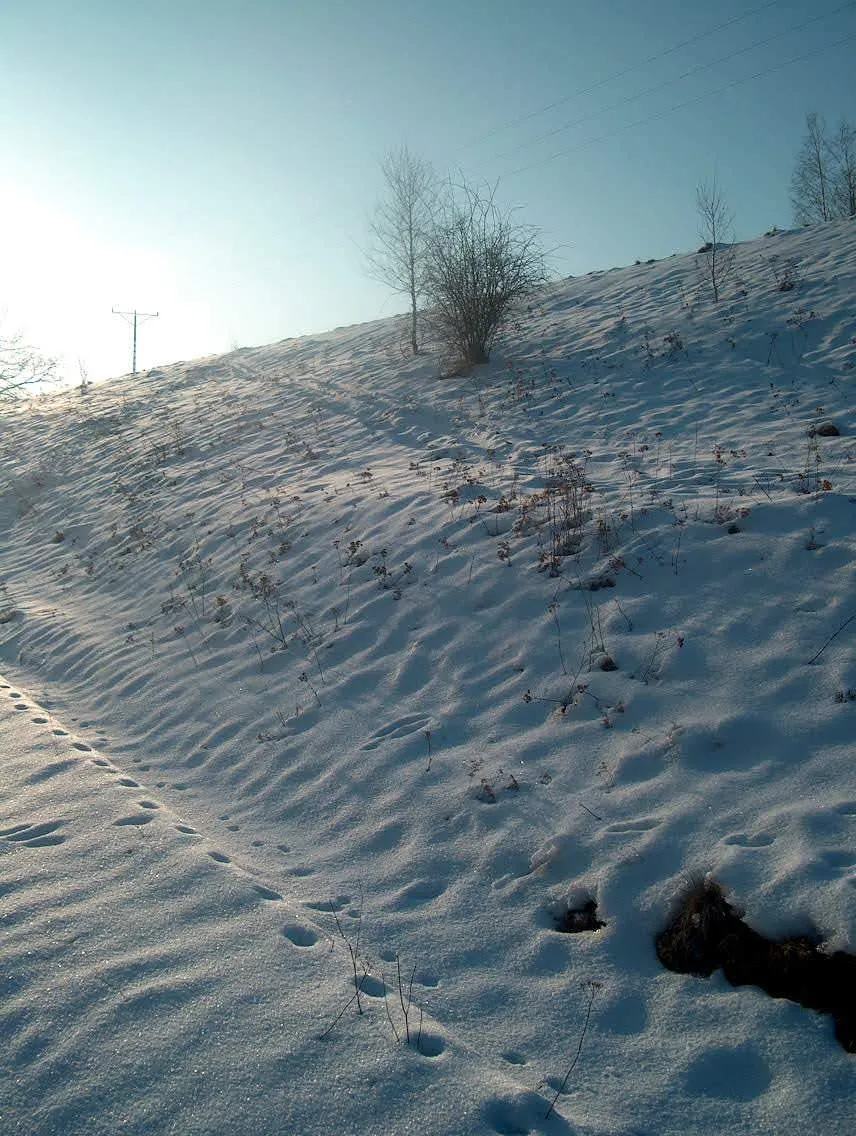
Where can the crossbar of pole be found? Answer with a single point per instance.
(133, 317)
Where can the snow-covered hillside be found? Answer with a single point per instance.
(317, 664)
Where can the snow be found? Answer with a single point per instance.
(290, 672)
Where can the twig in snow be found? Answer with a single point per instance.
(388, 1014)
(676, 554)
(304, 677)
(337, 1018)
(626, 617)
(405, 1000)
(405, 1006)
(353, 952)
(590, 813)
(593, 988)
(834, 635)
(554, 611)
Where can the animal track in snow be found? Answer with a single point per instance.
(385, 838)
(640, 767)
(266, 892)
(742, 840)
(261, 890)
(643, 824)
(137, 819)
(300, 935)
(39, 721)
(186, 830)
(418, 892)
(34, 835)
(336, 903)
(739, 1074)
(514, 1058)
(400, 728)
(52, 770)
(838, 859)
(521, 1113)
(430, 1045)
(372, 987)
(627, 1016)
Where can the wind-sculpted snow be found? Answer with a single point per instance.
(319, 666)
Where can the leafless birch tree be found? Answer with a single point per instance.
(400, 228)
(716, 229)
(843, 150)
(810, 183)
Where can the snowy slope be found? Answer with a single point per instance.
(303, 650)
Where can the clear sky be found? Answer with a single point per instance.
(216, 160)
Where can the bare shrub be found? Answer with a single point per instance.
(22, 367)
(481, 264)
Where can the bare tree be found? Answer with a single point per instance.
(22, 367)
(843, 151)
(810, 182)
(400, 228)
(481, 264)
(716, 229)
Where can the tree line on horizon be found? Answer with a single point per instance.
(465, 264)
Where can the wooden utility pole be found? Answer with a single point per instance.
(133, 317)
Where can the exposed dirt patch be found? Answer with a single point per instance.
(705, 933)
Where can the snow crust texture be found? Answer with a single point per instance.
(316, 664)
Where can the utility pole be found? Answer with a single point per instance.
(133, 317)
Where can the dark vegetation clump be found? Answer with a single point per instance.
(578, 919)
(825, 430)
(705, 933)
(598, 583)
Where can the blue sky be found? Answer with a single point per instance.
(217, 161)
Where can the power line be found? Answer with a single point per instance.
(620, 74)
(680, 106)
(127, 317)
(697, 70)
